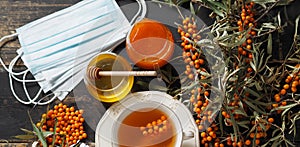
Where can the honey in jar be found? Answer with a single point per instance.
(109, 88)
(149, 44)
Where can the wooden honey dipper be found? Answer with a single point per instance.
(96, 73)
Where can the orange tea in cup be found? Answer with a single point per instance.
(130, 134)
(149, 44)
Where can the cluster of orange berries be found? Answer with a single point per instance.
(156, 127)
(235, 106)
(260, 133)
(247, 22)
(198, 96)
(69, 126)
(191, 55)
(209, 136)
(232, 142)
(200, 101)
(195, 64)
(292, 81)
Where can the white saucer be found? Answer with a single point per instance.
(105, 125)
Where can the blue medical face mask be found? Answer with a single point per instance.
(57, 48)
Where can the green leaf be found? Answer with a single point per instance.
(285, 2)
(253, 66)
(214, 8)
(276, 143)
(254, 107)
(287, 109)
(274, 132)
(263, 2)
(27, 131)
(54, 132)
(279, 19)
(47, 133)
(296, 26)
(218, 4)
(258, 87)
(221, 124)
(275, 138)
(244, 124)
(252, 92)
(25, 137)
(269, 47)
(240, 112)
(288, 142)
(192, 8)
(268, 26)
(38, 132)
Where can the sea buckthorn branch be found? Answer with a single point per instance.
(285, 99)
(196, 68)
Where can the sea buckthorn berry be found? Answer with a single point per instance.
(203, 134)
(295, 83)
(283, 92)
(270, 120)
(253, 33)
(294, 89)
(286, 86)
(249, 47)
(257, 141)
(247, 142)
(209, 138)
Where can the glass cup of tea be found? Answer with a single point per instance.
(108, 88)
(131, 127)
(149, 44)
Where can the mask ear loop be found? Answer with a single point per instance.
(12, 75)
(10, 70)
(46, 102)
(143, 7)
(31, 101)
(26, 91)
(5, 39)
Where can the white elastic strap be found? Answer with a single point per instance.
(13, 62)
(10, 70)
(31, 101)
(26, 91)
(9, 37)
(6, 38)
(143, 7)
(12, 74)
(13, 91)
(46, 102)
(137, 14)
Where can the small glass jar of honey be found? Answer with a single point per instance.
(149, 44)
(108, 88)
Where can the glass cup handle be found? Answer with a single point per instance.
(188, 135)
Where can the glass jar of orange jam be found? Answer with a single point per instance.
(149, 44)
